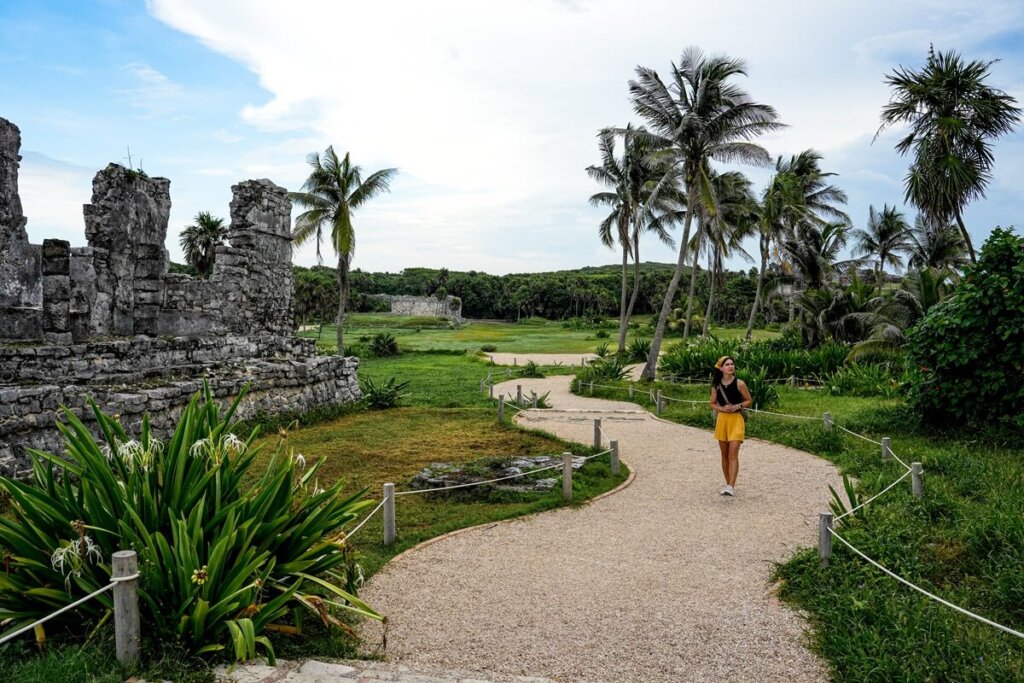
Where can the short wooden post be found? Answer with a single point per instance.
(490, 392)
(515, 361)
(886, 449)
(482, 386)
(591, 387)
(519, 394)
(533, 403)
(501, 409)
(508, 373)
(824, 537)
(126, 606)
(615, 458)
(583, 361)
(661, 402)
(792, 381)
(389, 514)
(597, 432)
(827, 418)
(916, 481)
(567, 476)
(631, 390)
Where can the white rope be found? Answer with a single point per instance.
(62, 610)
(352, 533)
(795, 417)
(850, 512)
(475, 483)
(897, 459)
(859, 436)
(681, 400)
(982, 619)
(597, 455)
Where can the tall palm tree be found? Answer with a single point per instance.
(200, 241)
(333, 191)
(935, 245)
(635, 207)
(812, 253)
(886, 236)
(953, 116)
(700, 115)
(797, 192)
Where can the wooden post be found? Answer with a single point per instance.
(661, 402)
(126, 606)
(515, 361)
(824, 537)
(481, 386)
(567, 476)
(508, 373)
(519, 394)
(533, 403)
(886, 449)
(792, 381)
(631, 390)
(916, 482)
(597, 432)
(491, 390)
(501, 409)
(615, 458)
(389, 514)
(827, 418)
(591, 387)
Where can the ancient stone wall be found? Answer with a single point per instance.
(107, 321)
(425, 306)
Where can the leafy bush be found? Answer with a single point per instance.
(531, 369)
(219, 559)
(612, 368)
(602, 350)
(863, 380)
(384, 395)
(384, 345)
(638, 349)
(602, 334)
(488, 348)
(543, 400)
(696, 358)
(762, 392)
(967, 355)
(588, 322)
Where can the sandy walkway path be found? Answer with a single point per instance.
(665, 580)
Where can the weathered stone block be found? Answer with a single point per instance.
(56, 288)
(56, 257)
(57, 317)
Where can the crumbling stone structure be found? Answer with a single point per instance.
(108, 321)
(449, 307)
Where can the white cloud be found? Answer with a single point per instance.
(52, 195)
(154, 93)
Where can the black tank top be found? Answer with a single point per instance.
(729, 394)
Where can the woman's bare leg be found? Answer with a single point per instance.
(734, 462)
(724, 447)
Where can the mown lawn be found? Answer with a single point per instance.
(964, 541)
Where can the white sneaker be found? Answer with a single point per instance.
(727, 491)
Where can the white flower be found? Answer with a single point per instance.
(199, 447)
(234, 443)
(300, 460)
(107, 451)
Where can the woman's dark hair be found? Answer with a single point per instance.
(716, 373)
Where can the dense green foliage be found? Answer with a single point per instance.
(967, 355)
(224, 551)
(384, 345)
(780, 359)
(383, 394)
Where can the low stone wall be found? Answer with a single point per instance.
(287, 383)
(424, 306)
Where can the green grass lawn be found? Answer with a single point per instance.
(530, 336)
(964, 541)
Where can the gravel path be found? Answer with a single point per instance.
(665, 580)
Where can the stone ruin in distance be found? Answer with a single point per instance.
(108, 321)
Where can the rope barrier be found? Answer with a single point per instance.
(597, 455)
(859, 436)
(899, 578)
(851, 511)
(367, 519)
(795, 417)
(62, 610)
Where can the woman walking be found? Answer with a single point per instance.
(729, 396)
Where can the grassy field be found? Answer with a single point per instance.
(964, 541)
(530, 336)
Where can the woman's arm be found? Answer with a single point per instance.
(747, 401)
(714, 402)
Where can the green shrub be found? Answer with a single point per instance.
(696, 358)
(384, 345)
(967, 355)
(488, 348)
(602, 334)
(638, 349)
(219, 559)
(602, 350)
(863, 380)
(612, 369)
(384, 395)
(531, 369)
(762, 392)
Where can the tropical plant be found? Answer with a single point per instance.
(935, 245)
(700, 116)
(952, 115)
(838, 507)
(856, 379)
(886, 236)
(602, 350)
(333, 191)
(384, 345)
(385, 395)
(637, 349)
(527, 401)
(200, 241)
(224, 551)
(762, 392)
(531, 370)
(612, 368)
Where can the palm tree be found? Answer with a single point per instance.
(797, 192)
(953, 116)
(332, 192)
(935, 245)
(200, 241)
(701, 115)
(632, 179)
(812, 253)
(886, 236)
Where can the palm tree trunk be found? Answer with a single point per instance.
(966, 236)
(636, 277)
(673, 285)
(760, 288)
(342, 296)
(712, 274)
(623, 318)
(693, 288)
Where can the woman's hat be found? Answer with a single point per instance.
(718, 365)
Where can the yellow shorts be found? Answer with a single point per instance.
(730, 427)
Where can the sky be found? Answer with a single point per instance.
(489, 110)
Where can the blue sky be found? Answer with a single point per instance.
(489, 110)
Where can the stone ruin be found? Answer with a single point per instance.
(449, 307)
(108, 321)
